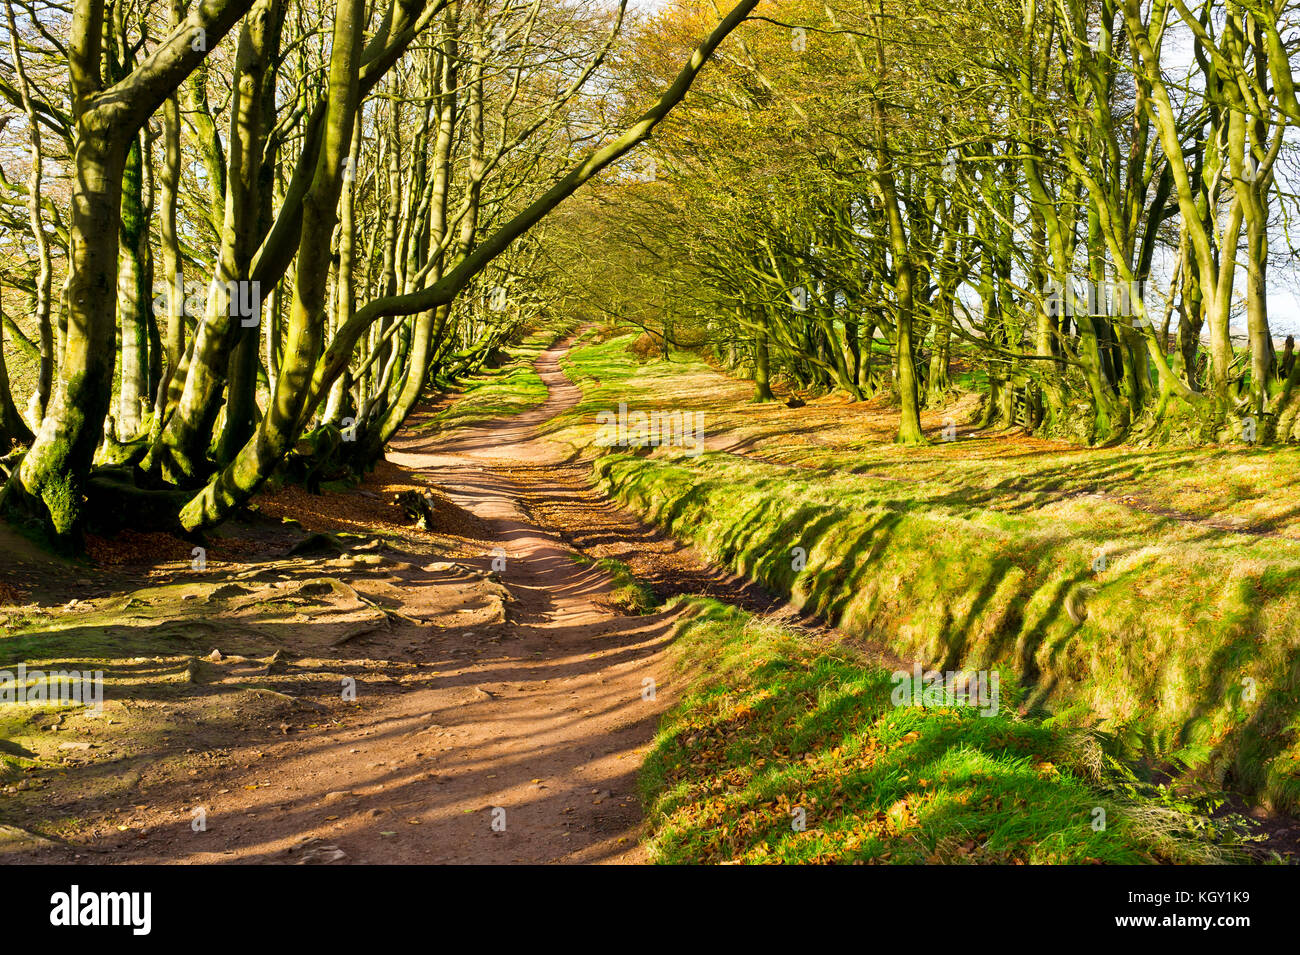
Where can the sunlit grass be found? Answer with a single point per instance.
(781, 751)
(628, 595)
(498, 393)
(1178, 636)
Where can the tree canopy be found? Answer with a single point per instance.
(1080, 209)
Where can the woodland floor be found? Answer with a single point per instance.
(475, 690)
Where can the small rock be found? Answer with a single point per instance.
(321, 855)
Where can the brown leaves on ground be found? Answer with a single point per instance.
(128, 548)
(370, 507)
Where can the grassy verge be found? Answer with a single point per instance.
(499, 392)
(1177, 637)
(784, 752)
(629, 595)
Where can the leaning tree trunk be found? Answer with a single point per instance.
(279, 427)
(53, 477)
(55, 470)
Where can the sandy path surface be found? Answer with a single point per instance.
(551, 730)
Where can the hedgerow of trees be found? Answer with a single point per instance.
(239, 236)
(1077, 207)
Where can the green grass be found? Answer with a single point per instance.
(498, 393)
(771, 725)
(980, 553)
(629, 595)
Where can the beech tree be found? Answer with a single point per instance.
(1038, 191)
(295, 283)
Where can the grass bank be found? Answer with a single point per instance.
(783, 751)
(497, 392)
(1122, 601)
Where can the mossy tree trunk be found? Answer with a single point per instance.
(53, 474)
(280, 426)
(762, 368)
(233, 306)
(134, 300)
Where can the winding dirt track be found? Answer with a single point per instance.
(551, 728)
(544, 716)
(522, 743)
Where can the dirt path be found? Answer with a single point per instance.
(484, 731)
(526, 747)
(550, 729)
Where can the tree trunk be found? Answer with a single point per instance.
(134, 297)
(13, 430)
(279, 427)
(53, 475)
(233, 311)
(762, 369)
